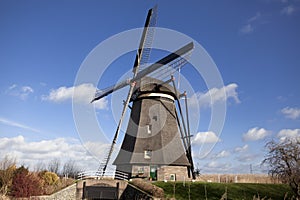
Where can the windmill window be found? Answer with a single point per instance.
(149, 128)
(147, 154)
(154, 117)
(172, 177)
(141, 170)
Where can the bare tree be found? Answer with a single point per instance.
(39, 166)
(54, 166)
(70, 169)
(6, 162)
(283, 158)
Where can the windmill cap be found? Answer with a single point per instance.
(149, 85)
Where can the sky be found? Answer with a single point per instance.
(254, 45)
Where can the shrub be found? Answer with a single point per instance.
(26, 184)
(50, 178)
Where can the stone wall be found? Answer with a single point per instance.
(68, 193)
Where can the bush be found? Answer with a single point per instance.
(26, 184)
(20, 182)
(49, 178)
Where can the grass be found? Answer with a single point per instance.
(229, 191)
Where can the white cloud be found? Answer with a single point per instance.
(231, 166)
(292, 113)
(241, 149)
(26, 89)
(288, 10)
(18, 125)
(256, 134)
(288, 134)
(205, 137)
(222, 154)
(248, 157)
(215, 95)
(216, 167)
(249, 25)
(13, 86)
(82, 94)
(255, 17)
(6, 143)
(246, 29)
(20, 91)
(213, 164)
(32, 153)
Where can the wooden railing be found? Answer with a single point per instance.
(98, 175)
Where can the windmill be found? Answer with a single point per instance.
(157, 140)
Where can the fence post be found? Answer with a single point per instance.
(117, 192)
(83, 190)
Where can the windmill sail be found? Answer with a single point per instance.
(165, 61)
(146, 36)
(189, 154)
(152, 68)
(144, 49)
(142, 55)
(171, 68)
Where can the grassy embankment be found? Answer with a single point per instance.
(217, 191)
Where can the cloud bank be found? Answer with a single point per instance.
(255, 134)
(81, 94)
(291, 113)
(289, 134)
(31, 153)
(215, 95)
(205, 137)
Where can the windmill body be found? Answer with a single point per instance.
(156, 143)
(152, 146)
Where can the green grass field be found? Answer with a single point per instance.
(215, 191)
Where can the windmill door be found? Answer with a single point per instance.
(153, 172)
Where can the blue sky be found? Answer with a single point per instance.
(254, 44)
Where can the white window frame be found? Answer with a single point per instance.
(149, 128)
(148, 154)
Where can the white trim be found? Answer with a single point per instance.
(149, 128)
(147, 154)
(157, 95)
